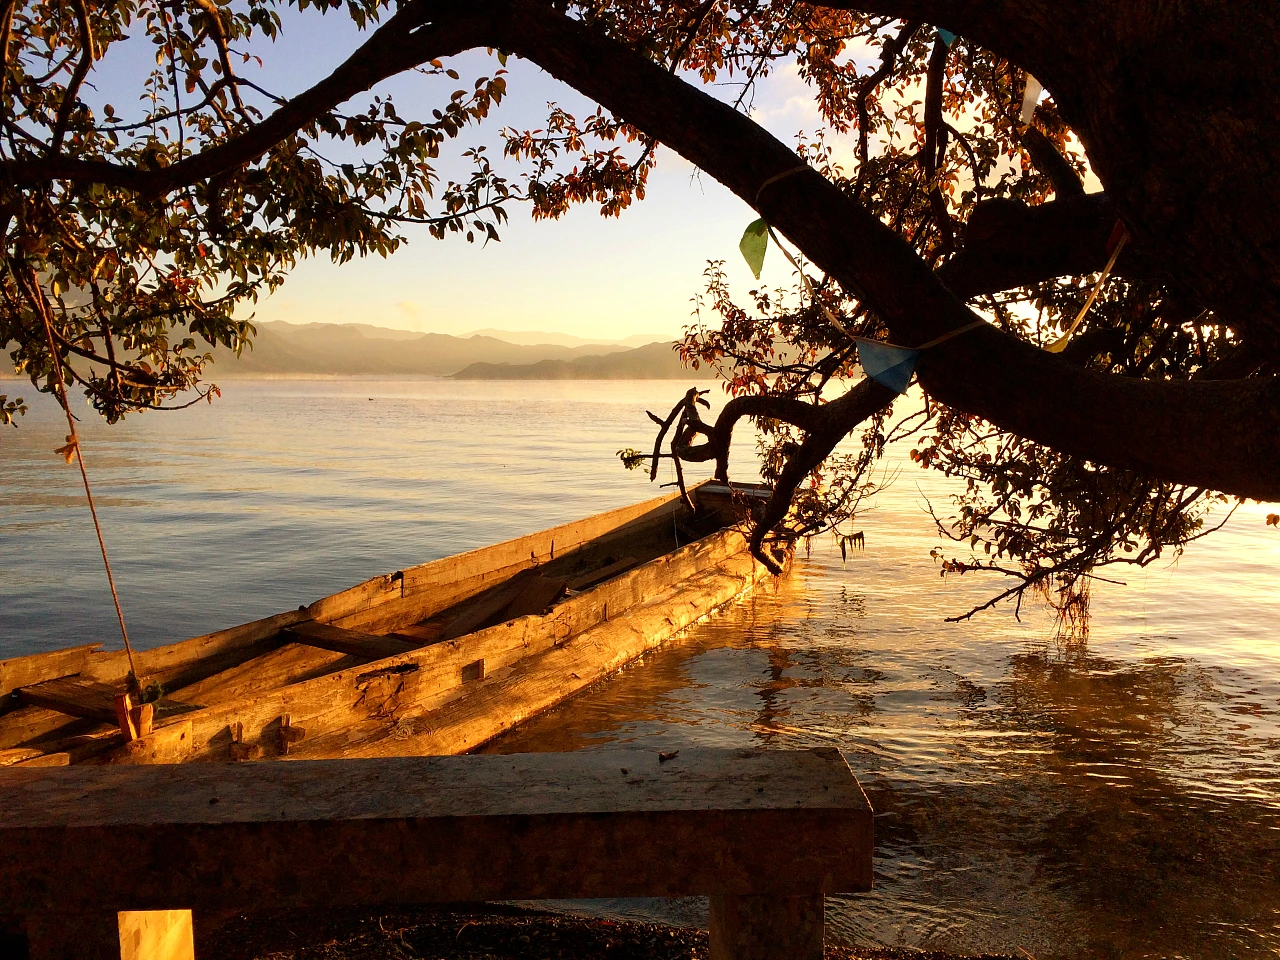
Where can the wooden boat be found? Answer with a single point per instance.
(433, 659)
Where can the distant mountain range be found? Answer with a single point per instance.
(653, 361)
(535, 337)
(356, 349)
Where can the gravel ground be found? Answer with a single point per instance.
(472, 932)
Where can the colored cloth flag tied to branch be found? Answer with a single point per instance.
(946, 36)
(888, 365)
(1030, 97)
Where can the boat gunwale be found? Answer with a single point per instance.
(109, 665)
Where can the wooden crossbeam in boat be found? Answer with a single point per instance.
(21, 671)
(420, 632)
(90, 699)
(352, 642)
(600, 575)
(73, 696)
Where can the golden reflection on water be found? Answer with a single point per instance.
(1044, 797)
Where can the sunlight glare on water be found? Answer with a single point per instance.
(1118, 797)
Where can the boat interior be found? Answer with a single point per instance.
(65, 706)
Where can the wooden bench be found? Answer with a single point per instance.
(108, 862)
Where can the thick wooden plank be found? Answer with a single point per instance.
(77, 749)
(432, 587)
(541, 546)
(422, 829)
(36, 667)
(371, 593)
(18, 754)
(27, 725)
(463, 719)
(351, 642)
(601, 574)
(420, 632)
(178, 664)
(73, 696)
(291, 663)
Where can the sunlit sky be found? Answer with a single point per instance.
(584, 275)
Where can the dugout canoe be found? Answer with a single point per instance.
(433, 659)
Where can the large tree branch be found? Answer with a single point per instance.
(1008, 244)
(827, 427)
(1223, 435)
(419, 32)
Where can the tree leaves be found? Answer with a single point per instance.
(754, 244)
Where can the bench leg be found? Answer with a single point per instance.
(134, 935)
(766, 928)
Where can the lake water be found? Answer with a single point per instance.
(1118, 797)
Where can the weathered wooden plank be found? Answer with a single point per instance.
(18, 754)
(420, 632)
(435, 586)
(352, 642)
(462, 719)
(422, 829)
(68, 750)
(535, 597)
(371, 593)
(73, 696)
(448, 585)
(26, 725)
(33, 668)
(279, 667)
(602, 574)
(178, 664)
(539, 547)
(384, 692)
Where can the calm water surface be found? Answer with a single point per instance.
(1117, 797)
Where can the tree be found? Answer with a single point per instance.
(128, 241)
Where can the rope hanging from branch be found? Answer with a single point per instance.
(71, 449)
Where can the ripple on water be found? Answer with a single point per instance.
(1118, 798)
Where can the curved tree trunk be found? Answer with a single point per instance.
(1221, 435)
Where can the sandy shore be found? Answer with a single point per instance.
(471, 932)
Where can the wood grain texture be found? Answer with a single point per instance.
(423, 829)
(75, 697)
(22, 671)
(339, 640)
(515, 690)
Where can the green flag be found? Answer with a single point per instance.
(754, 242)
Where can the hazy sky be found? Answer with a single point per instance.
(584, 275)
